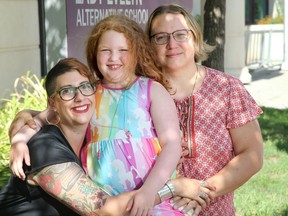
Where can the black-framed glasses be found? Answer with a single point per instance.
(69, 93)
(164, 37)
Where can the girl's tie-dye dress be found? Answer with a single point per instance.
(124, 145)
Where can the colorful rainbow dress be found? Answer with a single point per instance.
(124, 145)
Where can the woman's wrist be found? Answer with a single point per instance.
(167, 192)
(41, 118)
(176, 186)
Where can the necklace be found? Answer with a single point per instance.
(112, 126)
(197, 72)
(124, 90)
(124, 129)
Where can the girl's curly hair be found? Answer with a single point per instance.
(139, 43)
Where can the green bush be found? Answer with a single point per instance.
(28, 94)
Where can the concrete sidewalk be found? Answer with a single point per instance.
(269, 88)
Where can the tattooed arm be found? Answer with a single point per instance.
(68, 183)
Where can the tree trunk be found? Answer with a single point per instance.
(214, 32)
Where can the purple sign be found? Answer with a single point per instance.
(82, 14)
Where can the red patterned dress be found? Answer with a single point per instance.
(221, 103)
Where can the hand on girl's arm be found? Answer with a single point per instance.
(200, 191)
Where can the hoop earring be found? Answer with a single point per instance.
(46, 118)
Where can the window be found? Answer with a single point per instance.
(255, 10)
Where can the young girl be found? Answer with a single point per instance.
(135, 117)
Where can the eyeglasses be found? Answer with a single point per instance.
(69, 93)
(164, 37)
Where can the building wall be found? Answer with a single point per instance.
(234, 53)
(56, 37)
(19, 41)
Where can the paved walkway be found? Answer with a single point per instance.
(270, 88)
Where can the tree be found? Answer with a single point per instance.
(214, 32)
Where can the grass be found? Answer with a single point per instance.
(265, 194)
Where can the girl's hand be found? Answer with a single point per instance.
(21, 130)
(19, 152)
(143, 203)
(22, 118)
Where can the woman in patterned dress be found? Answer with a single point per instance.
(218, 117)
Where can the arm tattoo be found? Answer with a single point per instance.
(68, 183)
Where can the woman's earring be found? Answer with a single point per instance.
(46, 118)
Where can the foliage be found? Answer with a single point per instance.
(270, 20)
(198, 19)
(28, 94)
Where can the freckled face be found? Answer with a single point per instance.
(78, 110)
(173, 55)
(114, 59)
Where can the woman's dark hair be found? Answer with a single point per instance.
(63, 66)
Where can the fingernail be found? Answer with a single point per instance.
(181, 208)
(172, 202)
